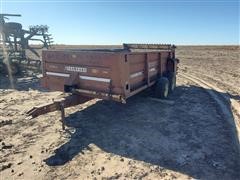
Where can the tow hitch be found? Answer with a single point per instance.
(58, 105)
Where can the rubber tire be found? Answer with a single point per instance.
(15, 68)
(162, 87)
(172, 81)
(2, 67)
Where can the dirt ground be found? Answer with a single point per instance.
(186, 137)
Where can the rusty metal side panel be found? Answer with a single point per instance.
(153, 67)
(96, 71)
(118, 73)
(143, 68)
(163, 62)
(136, 69)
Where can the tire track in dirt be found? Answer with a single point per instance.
(223, 100)
(234, 104)
(223, 84)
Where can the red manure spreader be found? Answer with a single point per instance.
(110, 74)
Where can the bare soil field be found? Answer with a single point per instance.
(193, 135)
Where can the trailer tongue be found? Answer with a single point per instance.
(110, 74)
(57, 105)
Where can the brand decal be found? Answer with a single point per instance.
(75, 69)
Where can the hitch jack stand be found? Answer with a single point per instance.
(60, 104)
(62, 115)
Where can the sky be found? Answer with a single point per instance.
(180, 22)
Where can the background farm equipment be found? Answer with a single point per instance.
(16, 50)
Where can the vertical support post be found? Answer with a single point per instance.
(147, 69)
(62, 115)
(159, 65)
(110, 90)
(126, 74)
(15, 43)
